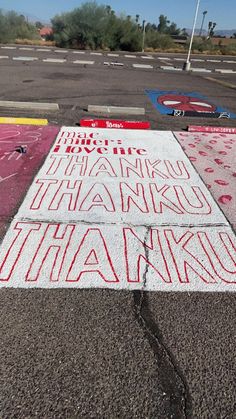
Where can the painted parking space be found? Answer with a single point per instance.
(178, 103)
(22, 151)
(120, 210)
(213, 155)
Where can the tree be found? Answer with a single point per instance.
(163, 24)
(39, 25)
(211, 27)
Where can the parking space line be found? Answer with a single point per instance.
(25, 58)
(8, 47)
(43, 50)
(142, 66)
(26, 49)
(83, 62)
(54, 60)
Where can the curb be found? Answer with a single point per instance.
(29, 105)
(116, 110)
(23, 121)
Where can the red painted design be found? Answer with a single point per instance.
(18, 169)
(114, 123)
(225, 199)
(221, 182)
(186, 103)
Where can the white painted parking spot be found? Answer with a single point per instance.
(25, 58)
(225, 71)
(54, 60)
(164, 58)
(2, 57)
(130, 56)
(147, 57)
(214, 61)
(8, 47)
(43, 50)
(179, 59)
(78, 52)
(170, 68)
(200, 70)
(62, 51)
(117, 64)
(142, 66)
(197, 60)
(26, 49)
(83, 62)
(229, 61)
(120, 210)
(96, 53)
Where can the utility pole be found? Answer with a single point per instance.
(144, 33)
(187, 64)
(203, 19)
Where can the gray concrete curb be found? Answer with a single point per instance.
(116, 110)
(29, 105)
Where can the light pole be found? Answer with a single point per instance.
(144, 33)
(203, 18)
(187, 64)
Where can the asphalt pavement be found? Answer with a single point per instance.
(70, 353)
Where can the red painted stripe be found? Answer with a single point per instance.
(114, 123)
(223, 130)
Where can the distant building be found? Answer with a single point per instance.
(45, 32)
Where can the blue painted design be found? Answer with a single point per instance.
(155, 95)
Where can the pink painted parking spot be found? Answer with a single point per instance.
(22, 152)
(214, 159)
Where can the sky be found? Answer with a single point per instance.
(223, 12)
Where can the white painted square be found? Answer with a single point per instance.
(122, 210)
(49, 255)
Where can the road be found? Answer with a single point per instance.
(100, 353)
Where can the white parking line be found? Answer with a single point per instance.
(179, 59)
(229, 61)
(54, 60)
(113, 55)
(168, 67)
(164, 58)
(78, 52)
(225, 71)
(25, 58)
(142, 66)
(83, 62)
(26, 49)
(3, 56)
(200, 70)
(130, 56)
(62, 51)
(43, 50)
(118, 64)
(214, 61)
(8, 47)
(96, 53)
(147, 57)
(197, 60)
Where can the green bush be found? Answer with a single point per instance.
(13, 26)
(156, 40)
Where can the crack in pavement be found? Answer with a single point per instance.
(173, 383)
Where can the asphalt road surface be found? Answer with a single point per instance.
(70, 353)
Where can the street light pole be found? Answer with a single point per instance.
(144, 33)
(187, 64)
(203, 19)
